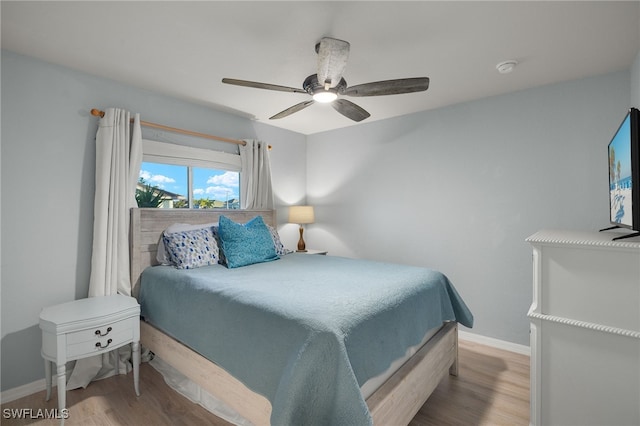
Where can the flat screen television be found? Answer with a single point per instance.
(624, 175)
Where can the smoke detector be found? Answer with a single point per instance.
(506, 67)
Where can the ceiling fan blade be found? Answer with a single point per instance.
(257, 85)
(291, 110)
(332, 60)
(350, 110)
(389, 87)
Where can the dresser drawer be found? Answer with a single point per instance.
(109, 337)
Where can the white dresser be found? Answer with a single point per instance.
(585, 329)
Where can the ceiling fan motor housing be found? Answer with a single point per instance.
(311, 85)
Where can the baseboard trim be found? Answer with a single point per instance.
(496, 343)
(24, 390)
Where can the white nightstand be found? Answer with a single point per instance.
(310, 251)
(88, 327)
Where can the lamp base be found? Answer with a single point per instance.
(301, 244)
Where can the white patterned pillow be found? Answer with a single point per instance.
(280, 249)
(192, 249)
(162, 254)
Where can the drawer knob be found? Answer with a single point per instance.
(99, 345)
(99, 333)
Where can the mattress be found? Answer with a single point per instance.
(305, 331)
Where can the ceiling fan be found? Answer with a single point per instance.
(328, 86)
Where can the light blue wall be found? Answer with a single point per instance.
(460, 188)
(48, 166)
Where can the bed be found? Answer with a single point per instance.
(312, 367)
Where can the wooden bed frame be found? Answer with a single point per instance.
(396, 402)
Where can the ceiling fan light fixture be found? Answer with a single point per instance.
(325, 96)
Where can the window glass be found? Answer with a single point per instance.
(167, 186)
(163, 186)
(214, 188)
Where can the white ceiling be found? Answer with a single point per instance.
(184, 49)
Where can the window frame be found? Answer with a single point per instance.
(182, 155)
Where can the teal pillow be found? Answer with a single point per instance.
(246, 244)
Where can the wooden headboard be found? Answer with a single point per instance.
(147, 225)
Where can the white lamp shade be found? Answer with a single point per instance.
(301, 214)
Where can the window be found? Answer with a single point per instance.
(174, 176)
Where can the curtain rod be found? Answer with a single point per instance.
(98, 113)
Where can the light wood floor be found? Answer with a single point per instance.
(492, 388)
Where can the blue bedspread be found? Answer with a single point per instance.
(304, 331)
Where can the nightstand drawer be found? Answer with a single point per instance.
(114, 339)
(104, 331)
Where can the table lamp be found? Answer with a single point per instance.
(301, 215)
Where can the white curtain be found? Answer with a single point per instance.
(118, 160)
(256, 191)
